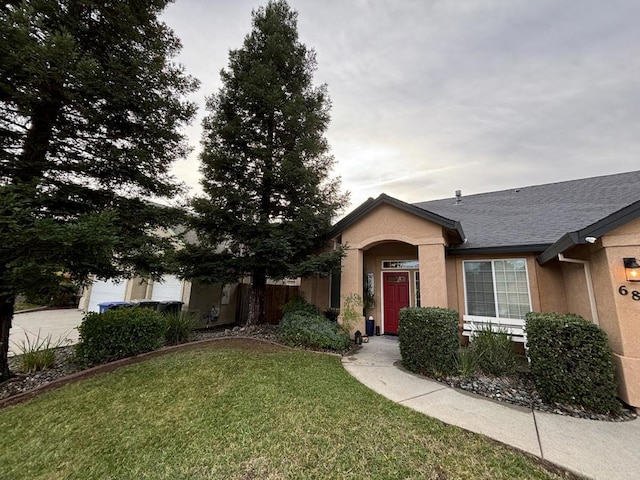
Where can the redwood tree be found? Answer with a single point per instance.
(91, 110)
(269, 197)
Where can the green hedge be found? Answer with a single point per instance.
(119, 333)
(299, 329)
(571, 362)
(429, 340)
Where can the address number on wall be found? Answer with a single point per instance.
(635, 295)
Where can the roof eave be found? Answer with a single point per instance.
(506, 249)
(597, 229)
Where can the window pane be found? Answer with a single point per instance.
(479, 284)
(512, 291)
(335, 278)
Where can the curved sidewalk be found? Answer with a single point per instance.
(600, 450)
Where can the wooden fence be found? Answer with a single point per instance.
(275, 297)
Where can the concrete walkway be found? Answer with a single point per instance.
(60, 324)
(600, 450)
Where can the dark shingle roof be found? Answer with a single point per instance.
(538, 216)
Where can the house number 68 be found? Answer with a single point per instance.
(635, 295)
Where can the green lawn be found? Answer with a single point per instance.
(240, 410)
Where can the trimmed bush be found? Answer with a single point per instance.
(299, 304)
(429, 340)
(312, 331)
(179, 327)
(119, 333)
(493, 349)
(571, 361)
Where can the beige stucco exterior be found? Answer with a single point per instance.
(562, 285)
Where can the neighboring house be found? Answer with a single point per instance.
(196, 298)
(496, 256)
(230, 301)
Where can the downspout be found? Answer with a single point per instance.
(587, 274)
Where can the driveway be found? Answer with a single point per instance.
(60, 324)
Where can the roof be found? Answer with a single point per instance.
(452, 226)
(538, 217)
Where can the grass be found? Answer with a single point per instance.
(239, 410)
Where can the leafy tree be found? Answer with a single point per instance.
(91, 107)
(269, 199)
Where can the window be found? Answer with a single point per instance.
(400, 264)
(497, 288)
(334, 288)
(417, 286)
(396, 279)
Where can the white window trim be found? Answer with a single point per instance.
(495, 290)
(416, 274)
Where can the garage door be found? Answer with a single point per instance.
(106, 291)
(169, 289)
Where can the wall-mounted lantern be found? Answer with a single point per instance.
(632, 269)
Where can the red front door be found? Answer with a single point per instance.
(396, 296)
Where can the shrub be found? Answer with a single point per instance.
(299, 304)
(351, 312)
(179, 327)
(494, 352)
(119, 333)
(466, 362)
(312, 331)
(38, 354)
(571, 361)
(428, 339)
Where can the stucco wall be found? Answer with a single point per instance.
(316, 291)
(551, 288)
(202, 297)
(387, 223)
(137, 289)
(620, 314)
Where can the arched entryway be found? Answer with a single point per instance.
(391, 277)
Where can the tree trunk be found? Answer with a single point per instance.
(6, 315)
(256, 299)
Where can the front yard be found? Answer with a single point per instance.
(239, 409)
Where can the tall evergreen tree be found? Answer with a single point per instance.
(269, 198)
(91, 107)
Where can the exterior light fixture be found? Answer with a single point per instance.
(632, 269)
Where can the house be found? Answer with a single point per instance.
(230, 302)
(197, 298)
(495, 256)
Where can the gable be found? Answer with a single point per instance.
(386, 222)
(395, 218)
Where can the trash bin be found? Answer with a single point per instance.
(170, 307)
(369, 327)
(104, 306)
(145, 304)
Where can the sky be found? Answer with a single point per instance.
(433, 96)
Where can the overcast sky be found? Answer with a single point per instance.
(433, 96)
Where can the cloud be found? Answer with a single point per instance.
(429, 97)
